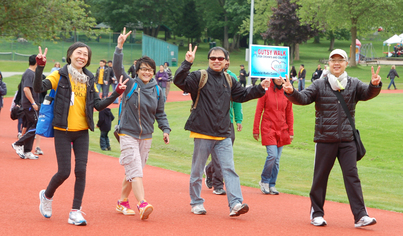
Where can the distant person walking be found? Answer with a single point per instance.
(102, 78)
(56, 67)
(3, 90)
(105, 118)
(301, 78)
(293, 75)
(169, 72)
(392, 74)
(132, 70)
(74, 104)
(242, 75)
(163, 79)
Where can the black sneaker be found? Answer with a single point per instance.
(208, 181)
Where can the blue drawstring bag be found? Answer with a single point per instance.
(44, 125)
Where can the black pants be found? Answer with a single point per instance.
(31, 117)
(243, 82)
(63, 140)
(325, 157)
(213, 169)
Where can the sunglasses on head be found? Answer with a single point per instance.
(215, 58)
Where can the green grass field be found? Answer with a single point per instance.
(380, 122)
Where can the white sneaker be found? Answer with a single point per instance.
(76, 218)
(318, 221)
(30, 155)
(264, 187)
(19, 150)
(239, 209)
(365, 221)
(45, 206)
(198, 210)
(273, 191)
(38, 151)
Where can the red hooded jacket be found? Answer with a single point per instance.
(277, 122)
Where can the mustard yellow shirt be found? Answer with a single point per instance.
(76, 118)
(101, 76)
(203, 136)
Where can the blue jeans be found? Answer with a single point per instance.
(392, 81)
(223, 151)
(99, 87)
(272, 165)
(301, 84)
(164, 93)
(104, 140)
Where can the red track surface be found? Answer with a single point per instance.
(168, 191)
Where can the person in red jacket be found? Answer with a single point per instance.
(277, 129)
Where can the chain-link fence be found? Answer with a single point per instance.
(102, 47)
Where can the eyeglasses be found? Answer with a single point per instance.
(145, 69)
(337, 60)
(215, 58)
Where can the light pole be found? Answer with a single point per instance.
(252, 3)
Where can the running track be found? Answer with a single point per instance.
(167, 191)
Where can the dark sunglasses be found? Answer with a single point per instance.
(215, 58)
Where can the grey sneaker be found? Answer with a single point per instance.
(45, 205)
(38, 151)
(76, 218)
(219, 191)
(239, 209)
(30, 155)
(273, 191)
(198, 209)
(318, 221)
(264, 187)
(19, 150)
(365, 221)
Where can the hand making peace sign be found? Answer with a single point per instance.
(287, 86)
(121, 87)
(376, 79)
(41, 58)
(190, 55)
(122, 38)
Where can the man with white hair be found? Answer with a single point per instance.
(334, 133)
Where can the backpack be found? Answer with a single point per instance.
(203, 81)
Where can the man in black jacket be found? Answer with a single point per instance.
(132, 70)
(102, 77)
(334, 133)
(209, 124)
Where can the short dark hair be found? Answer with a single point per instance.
(147, 61)
(218, 49)
(73, 47)
(103, 61)
(166, 63)
(302, 65)
(32, 60)
(110, 61)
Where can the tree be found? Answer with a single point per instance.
(190, 26)
(285, 27)
(339, 34)
(261, 16)
(150, 15)
(352, 14)
(37, 20)
(223, 19)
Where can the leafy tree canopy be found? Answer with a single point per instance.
(37, 20)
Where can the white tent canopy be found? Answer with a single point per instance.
(393, 40)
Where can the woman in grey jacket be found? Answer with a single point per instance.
(141, 106)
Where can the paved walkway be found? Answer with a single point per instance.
(168, 191)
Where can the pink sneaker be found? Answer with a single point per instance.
(145, 209)
(124, 207)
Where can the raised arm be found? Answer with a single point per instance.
(117, 65)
